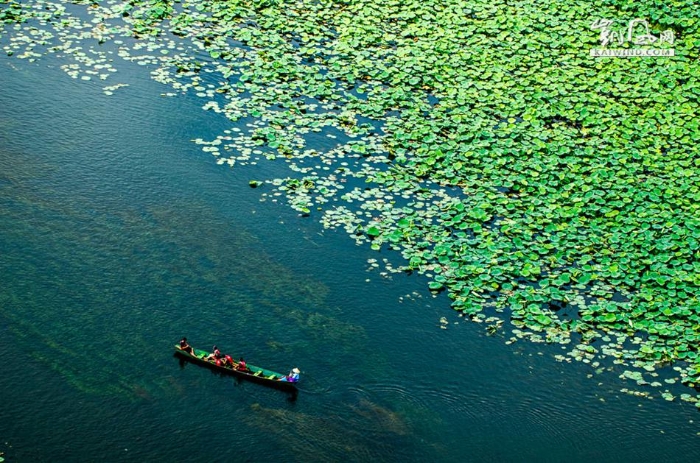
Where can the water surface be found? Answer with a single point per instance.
(118, 236)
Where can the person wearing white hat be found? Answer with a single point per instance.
(293, 376)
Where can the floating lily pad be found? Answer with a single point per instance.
(520, 186)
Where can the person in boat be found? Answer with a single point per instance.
(215, 355)
(184, 346)
(228, 362)
(241, 365)
(292, 377)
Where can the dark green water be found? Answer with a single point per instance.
(118, 236)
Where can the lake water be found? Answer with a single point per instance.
(118, 236)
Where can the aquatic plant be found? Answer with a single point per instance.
(478, 138)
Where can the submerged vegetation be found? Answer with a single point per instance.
(533, 182)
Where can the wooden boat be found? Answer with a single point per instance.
(252, 373)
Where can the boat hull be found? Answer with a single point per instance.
(254, 374)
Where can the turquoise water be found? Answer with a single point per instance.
(118, 236)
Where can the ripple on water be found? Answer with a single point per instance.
(418, 395)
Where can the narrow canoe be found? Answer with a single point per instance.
(253, 373)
